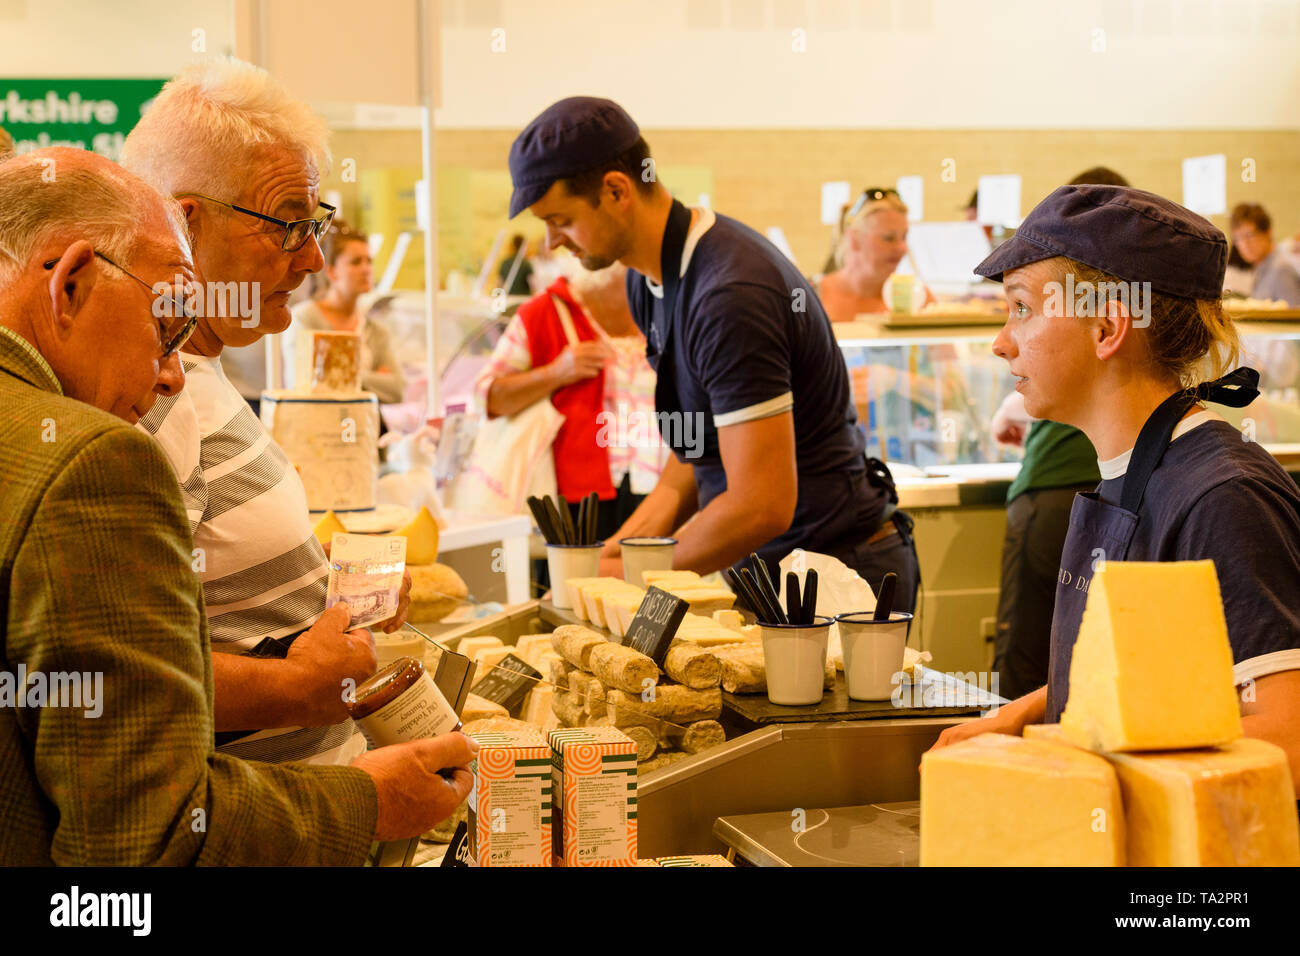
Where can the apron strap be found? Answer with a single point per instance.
(1236, 389)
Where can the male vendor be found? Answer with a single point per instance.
(752, 394)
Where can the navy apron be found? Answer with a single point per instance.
(1099, 531)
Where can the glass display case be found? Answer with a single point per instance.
(925, 394)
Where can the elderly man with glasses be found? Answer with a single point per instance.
(106, 714)
(243, 159)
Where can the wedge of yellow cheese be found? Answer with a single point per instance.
(590, 591)
(1152, 667)
(996, 800)
(1215, 806)
(662, 579)
(620, 607)
(704, 600)
(575, 597)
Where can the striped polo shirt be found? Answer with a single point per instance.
(264, 573)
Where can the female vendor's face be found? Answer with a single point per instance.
(1053, 356)
(595, 234)
(881, 242)
(352, 270)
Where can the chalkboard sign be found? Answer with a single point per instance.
(508, 683)
(458, 850)
(655, 624)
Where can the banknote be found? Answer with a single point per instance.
(366, 574)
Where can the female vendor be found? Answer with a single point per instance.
(1178, 482)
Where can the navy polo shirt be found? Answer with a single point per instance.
(749, 340)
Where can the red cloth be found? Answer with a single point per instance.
(581, 465)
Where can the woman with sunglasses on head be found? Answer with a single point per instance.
(1131, 367)
(871, 243)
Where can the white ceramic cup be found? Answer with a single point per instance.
(795, 659)
(873, 652)
(645, 554)
(566, 561)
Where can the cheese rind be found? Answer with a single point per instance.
(996, 800)
(1152, 666)
(1220, 806)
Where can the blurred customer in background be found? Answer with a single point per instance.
(519, 285)
(602, 383)
(349, 269)
(1250, 229)
(872, 242)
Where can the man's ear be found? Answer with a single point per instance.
(1114, 325)
(72, 278)
(190, 206)
(620, 187)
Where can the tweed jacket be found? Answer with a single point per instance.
(96, 578)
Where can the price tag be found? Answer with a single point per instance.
(508, 683)
(655, 624)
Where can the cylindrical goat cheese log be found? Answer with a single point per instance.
(560, 670)
(623, 667)
(664, 759)
(647, 742)
(575, 643)
(672, 702)
(693, 666)
(700, 735)
(743, 671)
(568, 708)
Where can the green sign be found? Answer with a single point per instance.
(93, 114)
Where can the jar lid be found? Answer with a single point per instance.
(384, 686)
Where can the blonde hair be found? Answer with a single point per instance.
(208, 123)
(888, 201)
(1191, 340)
(41, 196)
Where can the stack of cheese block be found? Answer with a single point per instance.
(1147, 766)
(532, 649)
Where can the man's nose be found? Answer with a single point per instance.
(171, 376)
(553, 238)
(309, 258)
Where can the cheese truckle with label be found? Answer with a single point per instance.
(1217, 806)
(997, 800)
(1152, 666)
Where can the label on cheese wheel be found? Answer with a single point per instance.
(420, 711)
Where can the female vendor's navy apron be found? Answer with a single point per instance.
(1099, 531)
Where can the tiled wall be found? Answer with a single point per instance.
(774, 177)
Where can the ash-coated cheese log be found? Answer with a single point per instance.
(647, 742)
(673, 702)
(693, 666)
(623, 667)
(575, 642)
(589, 692)
(695, 737)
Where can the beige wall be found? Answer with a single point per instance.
(773, 177)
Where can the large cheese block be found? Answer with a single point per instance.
(575, 598)
(1218, 806)
(471, 646)
(1152, 667)
(620, 608)
(663, 579)
(488, 658)
(703, 600)
(591, 593)
(531, 648)
(996, 800)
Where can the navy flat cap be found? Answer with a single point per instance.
(569, 137)
(1128, 233)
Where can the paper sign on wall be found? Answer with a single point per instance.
(1205, 184)
(911, 189)
(999, 201)
(835, 196)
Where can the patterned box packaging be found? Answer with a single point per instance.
(510, 803)
(708, 859)
(594, 781)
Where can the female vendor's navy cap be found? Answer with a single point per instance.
(570, 137)
(1128, 233)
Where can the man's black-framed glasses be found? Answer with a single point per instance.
(867, 196)
(296, 231)
(166, 304)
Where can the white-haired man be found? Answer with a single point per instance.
(243, 157)
(106, 749)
